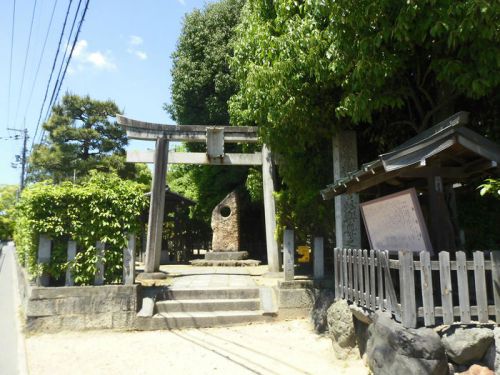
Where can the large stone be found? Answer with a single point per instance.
(225, 224)
(341, 330)
(478, 370)
(394, 349)
(492, 357)
(467, 345)
(226, 255)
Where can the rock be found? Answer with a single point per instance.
(322, 302)
(478, 370)
(360, 314)
(394, 349)
(148, 307)
(467, 345)
(225, 225)
(492, 357)
(341, 330)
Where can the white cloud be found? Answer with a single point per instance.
(135, 40)
(94, 59)
(141, 55)
(80, 47)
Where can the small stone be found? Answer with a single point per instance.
(478, 370)
(467, 345)
(361, 314)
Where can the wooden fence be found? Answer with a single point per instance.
(449, 291)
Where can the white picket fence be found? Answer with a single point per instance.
(364, 278)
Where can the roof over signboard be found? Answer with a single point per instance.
(448, 149)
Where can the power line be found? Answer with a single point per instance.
(51, 73)
(25, 62)
(70, 55)
(10, 66)
(41, 57)
(52, 98)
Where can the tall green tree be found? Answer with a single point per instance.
(82, 136)
(387, 68)
(201, 87)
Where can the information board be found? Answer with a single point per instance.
(395, 222)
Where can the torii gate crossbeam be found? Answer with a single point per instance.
(215, 137)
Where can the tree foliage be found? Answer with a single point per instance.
(201, 86)
(389, 68)
(7, 206)
(82, 136)
(103, 208)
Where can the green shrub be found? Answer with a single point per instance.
(103, 208)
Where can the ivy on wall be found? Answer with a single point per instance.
(103, 208)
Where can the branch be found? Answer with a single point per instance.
(429, 114)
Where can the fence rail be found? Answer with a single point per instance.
(447, 288)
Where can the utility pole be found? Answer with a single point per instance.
(23, 155)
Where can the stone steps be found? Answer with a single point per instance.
(208, 305)
(210, 293)
(177, 308)
(178, 320)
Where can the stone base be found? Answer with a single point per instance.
(226, 255)
(151, 276)
(225, 263)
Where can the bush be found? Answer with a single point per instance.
(103, 208)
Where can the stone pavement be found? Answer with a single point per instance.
(12, 349)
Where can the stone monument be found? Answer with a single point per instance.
(226, 236)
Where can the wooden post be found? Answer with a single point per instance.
(71, 257)
(446, 288)
(407, 282)
(495, 278)
(373, 290)
(463, 287)
(427, 288)
(480, 283)
(288, 255)
(268, 183)
(319, 258)
(336, 273)
(367, 278)
(156, 208)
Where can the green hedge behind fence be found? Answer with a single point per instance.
(104, 208)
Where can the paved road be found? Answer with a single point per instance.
(10, 339)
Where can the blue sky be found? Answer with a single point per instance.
(123, 54)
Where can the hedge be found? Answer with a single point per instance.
(103, 208)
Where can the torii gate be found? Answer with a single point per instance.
(214, 137)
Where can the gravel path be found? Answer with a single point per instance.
(288, 347)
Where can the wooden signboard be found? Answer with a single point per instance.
(395, 222)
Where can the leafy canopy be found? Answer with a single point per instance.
(82, 136)
(308, 68)
(103, 208)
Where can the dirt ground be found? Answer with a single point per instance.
(288, 347)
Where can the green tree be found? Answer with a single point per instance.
(201, 86)
(386, 68)
(82, 136)
(7, 205)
